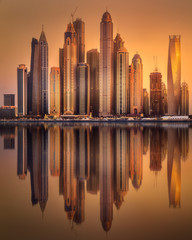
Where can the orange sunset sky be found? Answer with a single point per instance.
(144, 25)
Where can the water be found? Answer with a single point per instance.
(96, 181)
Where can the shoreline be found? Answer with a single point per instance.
(93, 121)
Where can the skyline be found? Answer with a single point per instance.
(129, 32)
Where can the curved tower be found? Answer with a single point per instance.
(106, 81)
(174, 75)
(70, 64)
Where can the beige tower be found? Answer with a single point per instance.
(174, 75)
(184, 99)
(106, 78)
(70, 64)
(136, 86)
(55, 91)
(122, 81)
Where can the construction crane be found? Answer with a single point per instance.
(72, 14)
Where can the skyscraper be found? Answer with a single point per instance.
(155, 93)
(22, 152)
(106, 62)
(136, 86)
(145, 102)
(93, 61)
(70, 64)
(122, 81)
(79, 27)
(34, 84)
(184, 99)
(9, 99)
(43, 57)
(55, 91)
(174, 75)
(22, 89)
(83, 89)
(61, 66)
(164, 103)
(55, 150)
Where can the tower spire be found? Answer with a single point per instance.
(42, 28)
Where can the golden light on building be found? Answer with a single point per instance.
(55, 91)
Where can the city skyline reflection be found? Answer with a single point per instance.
(100, 159)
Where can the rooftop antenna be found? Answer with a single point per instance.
(155, 63)
(73, 13)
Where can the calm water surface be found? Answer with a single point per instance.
(96, 181)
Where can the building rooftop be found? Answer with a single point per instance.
(106, 17)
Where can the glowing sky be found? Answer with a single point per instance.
(145, 27)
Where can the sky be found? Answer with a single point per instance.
(145, 27)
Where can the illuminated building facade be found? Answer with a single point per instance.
(155, 93)
(174, 75)
(22, 89)
(83, 89)
(43, 61)
(184, 99)
(61, 66)
(145, 102)
(79, 27)
(136, 86)
(164, 101)
(122, 81)
(93, 61)
(106, 69)
(70, 64)
(55, 91)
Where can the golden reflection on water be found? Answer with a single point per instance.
(95, 166)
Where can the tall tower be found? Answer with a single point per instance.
(155, 93)
(184, 99)
(83, 89)
(70, 64)
(22, 89)
(122, 81)
(145, 102)
(43, 55)
(93, 61)
(136, 90)
(174, 75)
(79, 27)
(61, 66)
(55, 91)
(106, 81)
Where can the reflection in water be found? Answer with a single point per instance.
(101, 158)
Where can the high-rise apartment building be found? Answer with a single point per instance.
(83, 89)
(22, 89)
(61, 66)
(174, 75)
(93, 61)
(145, 102)
(164, 101)
(155, 93)
(79, 27)
(9, 100)
(34, 83)
(55, 91)
(43, 57)
(106, 69)
(70, 65)
(136, 85)
(184, 99)
(122, 81)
